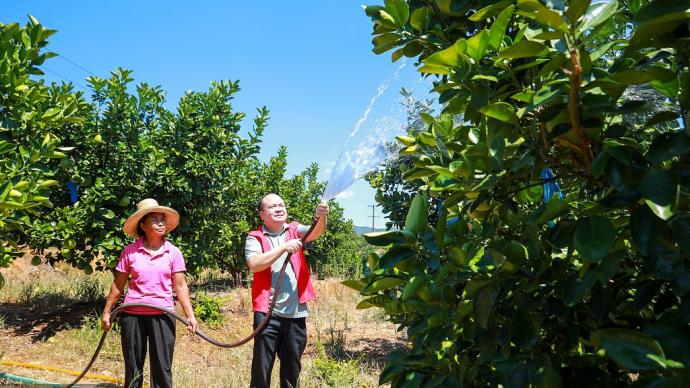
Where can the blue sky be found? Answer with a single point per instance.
(309, 62)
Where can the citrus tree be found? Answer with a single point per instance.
(125, 145)
(32, 115)
(516, 284)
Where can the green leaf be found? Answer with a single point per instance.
(523, 49)
(33, 20)
(596, 14)
(420, 18)
(25, 39)
(661, 117)
(661, 187)
(5, 190)
(630, 77)
(545, 95)
(382, 239)
(47, 183)
(414, 284)
(396, 255)
(417, 216)
(356, 285)
(576, 9)
(489, 11)
(485, 77)
(449, 57)
(374, 301)
(482, 306)
(382, 284)
(498, 28)
(548, 17)
(576, 287)
(50, 113)
(674, 341)
(2, 281)
(477, 45)
(646, 228)
(391, 371)
(106, 213)
(501, 111)
(398, 10)
(664, 212)
(667, 88)
(532, 194)
(6, 147)
(457, 256)
(594, 237)
(667, 146)
(385, 42)
(550, 210)
(630, 348)
(603, 49)
(658, 19)
(599, 164)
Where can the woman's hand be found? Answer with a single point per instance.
(193, 325)
(105, 321)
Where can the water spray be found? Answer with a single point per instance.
(372, 140)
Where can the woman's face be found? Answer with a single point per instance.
(154, 224)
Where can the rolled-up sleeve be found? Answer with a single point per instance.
(302, 229)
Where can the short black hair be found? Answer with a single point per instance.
(260, 204)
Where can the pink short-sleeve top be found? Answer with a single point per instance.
(151, 275)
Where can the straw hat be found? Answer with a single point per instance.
(150, 205)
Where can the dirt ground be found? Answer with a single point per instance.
(64, 333)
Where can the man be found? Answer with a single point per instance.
(265, 250)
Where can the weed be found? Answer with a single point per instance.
(332, 372)
(88, 289)
(55, 292)
(207, 308)
(2, 322)
(336, 332)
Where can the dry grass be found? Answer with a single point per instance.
(346, 347)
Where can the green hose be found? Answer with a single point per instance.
(27, 380)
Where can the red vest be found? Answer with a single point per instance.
(261, 285)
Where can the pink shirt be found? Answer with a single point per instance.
(150, 275)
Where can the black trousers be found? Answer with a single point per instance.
(159, 331)
(285, 336)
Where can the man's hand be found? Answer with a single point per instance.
(322, 210)
(292, 246)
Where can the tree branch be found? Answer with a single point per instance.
(575, 75)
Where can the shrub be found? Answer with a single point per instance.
(207, 308)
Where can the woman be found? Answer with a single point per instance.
(154, 267)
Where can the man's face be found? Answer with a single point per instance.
(273, 211)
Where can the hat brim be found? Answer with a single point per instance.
(172, 218)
